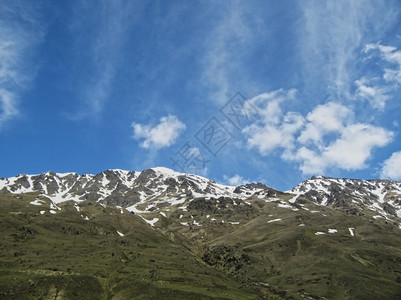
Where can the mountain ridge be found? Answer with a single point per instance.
(130, 189)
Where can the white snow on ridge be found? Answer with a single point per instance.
(151, 222)
(378, 191)
(3, 183)
(105, 181)
(274, 220)
(166, 172)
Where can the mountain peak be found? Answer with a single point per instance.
(166, 171)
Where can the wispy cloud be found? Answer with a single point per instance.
(20, 33)
(334, 32)
(105, 36)
(162, 135)
(392, 56)
(221, 63)
(378, 90)
(8, 107)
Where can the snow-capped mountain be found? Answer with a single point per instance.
(125, 188)
(160, 188)
(381, 196)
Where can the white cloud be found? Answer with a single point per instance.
(392, 167)
(310, 161)
(274, 129)
(162, 135)
(376, 95)
(325, 118)
(350, 151)
(235, 180)
(20, 33)
(327, 138)
(353, 149)
(269, 137)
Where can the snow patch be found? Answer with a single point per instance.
(151, 222)
(196, 223)
(294, 199)
(351, 231)
(37, 202)
(274, 220)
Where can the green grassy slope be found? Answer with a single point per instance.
(255, 251)
(331, 265)
(65, 256)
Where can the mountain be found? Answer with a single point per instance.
(164, 234)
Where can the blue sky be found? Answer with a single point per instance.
(238, 91)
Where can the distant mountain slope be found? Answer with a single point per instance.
(152, 189)
(164, 234)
